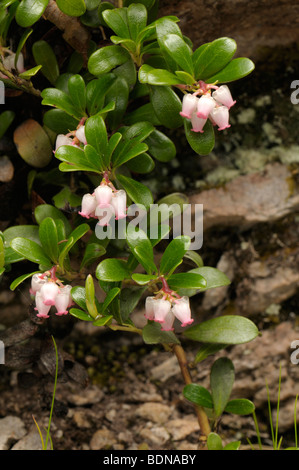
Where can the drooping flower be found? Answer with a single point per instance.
(62, 300)
(40, 307)
(168, 322)
(119, 203)
(149, 308)
(49, 292)
(181, 310)
(189, 105)
(205, 105)
(161, 309)
(220, 116)
(223, 96)
(104, 214)
(103, 194)
(88, 205)
(62, 139)
(197, 123)
(80, 134)
(37, 282)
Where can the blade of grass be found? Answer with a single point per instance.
(39, 431)
(53, 397)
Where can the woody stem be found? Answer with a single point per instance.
(201, 415)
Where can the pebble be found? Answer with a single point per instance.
(102, 439)
(32, 441)
(90, 396)
(12, 429)
(154, 412)
(6, 170)
(181, 428)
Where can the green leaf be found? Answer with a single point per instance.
(117, 20)
(222, 379)
(214, 442)
(143, 279)
(49, 238)
(30, 250)
(152, 76)
(240, 406)
(129, 299)
(46, 210)
(30, 72)
(164, 27)
(229, 329)
(76, 159)
(29, 11)
(173, 255)
(114, 292)
(96, 91)
(112, 270)
(137, 19)
(119, 94)
(201, 143)
(215, 57)
(185, 77)
(128, 151)
(59, 99)
(22, 43)
(143, 113)
(213, 276)
(59, 121)
(21, 279)
(141, 248)
(94, 158)
(44, 55)
(195, 258)
(138, 192)
(152, 334)
(77, 91)
(90, 297)
(103, 320)
(93, 251)
(79, 296)
(107, 58)
(143, 163)
(234, 70)
(232, 445)
(167, 106)
(25, 231)
(160, 146)
(72, 7)
(179, 51)
(6, 118)
(186, 281)
(198, 395)
(207, 350)
(96, 133)
(77, 313)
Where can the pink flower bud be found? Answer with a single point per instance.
(161, 309)
(42, 309)
(168, 322)
(62, 300)
(197, 123)
(88, 205)
(103, 194)
(223, 96)
(149, 308)
(80, 134)
(49, 292)
(62, 139)
(205, 105)
(119, 203)
(36, 283)
(220, 116)
(189, 105)
(181, 310)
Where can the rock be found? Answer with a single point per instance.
(156, 435)
(89, 396)
(6, 169)
(155, 412)
(214, 297)
(254, 26)
(102, 439)
(261, 197)
(32, 441)
(179, 428)
(166, 369)
(12, 429)
(81, 420)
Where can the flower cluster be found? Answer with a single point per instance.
(49, 291)
(166, 309)
(105, 202)
(74, 138)
(214, 106)
(9, 63)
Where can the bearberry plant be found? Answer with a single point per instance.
(127, 81)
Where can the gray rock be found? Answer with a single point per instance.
(32, 441)
(154, 412)
(103, 439)
(12, 429)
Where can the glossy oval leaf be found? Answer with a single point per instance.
(61, 100)
(29, 12)
(167, 106)
(214, 441)
(152, 334)
(136, 18)
(112, 270)
(138, 192)
(59, 121)
(77, 91)
(152, 76)
(44, 55)
(72, 7)
(186, 281)
(173, 255)
(30, 250)
(160, 146)
(228, 329)
(240, 406)
(46, 210)
(49, 238)
(117, 20)
(106, 59)
(234, 70)
(201, 143)
(21, 279)
(198, 395)
(179, 51)
(222, 379)
(215, 57)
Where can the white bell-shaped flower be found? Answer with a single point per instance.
(181, 310)
(205, 105)
(220, 116)
(88, 205)
(119, 203)
(49, 292)
(36, 283)
(80, 134)
(40, 307)
(189, 105)
(103, 194)
(223, 96)
(161, 309)
(197, 123)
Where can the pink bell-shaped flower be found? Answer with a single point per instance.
(197, 123)
(62, 139)
(62, 300)
(220, 116)
(49, 292)
(119, 203)
(181, 310)
(40, 307)
(189, 105)
(161, 309)
(103, 194)
(168, 322)
(223, 96)
(104, 214)
(80, 134)
(149, 308)
(88, 205)
(36, 283)
(205, 105)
